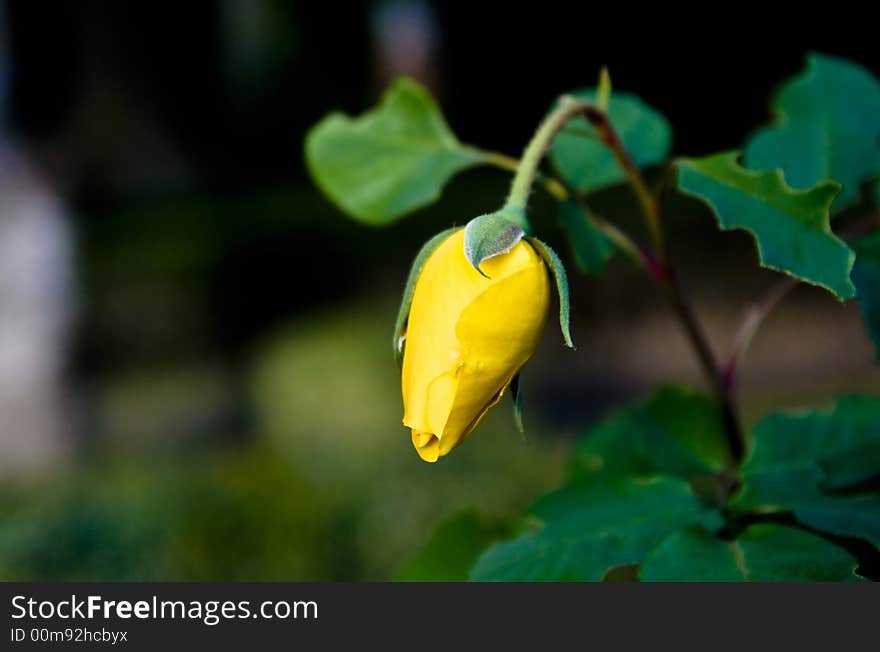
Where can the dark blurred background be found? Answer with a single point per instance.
(195, 380)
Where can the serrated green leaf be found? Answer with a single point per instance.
(487, 236)
(678, 431)
(453, 548)
(389, 161)
(406, 302)
(591, 247)
(762, 553)
(587, 164)
(827, 126)
(588, 529)
(558, 271)
(790, 227)
(798, 461)
(866, 276)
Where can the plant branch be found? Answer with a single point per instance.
(711, 369)
(664, 273)
(771, 297)
(648, 200)
(755, 316)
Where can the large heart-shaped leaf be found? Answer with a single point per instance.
(803, 463)
(389, 161)
(866, 276)
(678, 431)
(762, 553)
(827, 126)
(585, 530)
(791, 227)
(587, 164)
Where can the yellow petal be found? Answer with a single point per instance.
(427, 445)
(467, 336)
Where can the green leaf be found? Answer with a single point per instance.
(797, 490)
(453, 548)
(558, 271)
(678, 431)
(487, 236)
(587, 164)
(406, 302)
(762, 553)
(790, 227)
(799, 460)
(816, 439)
(827, 126)
(866, 276)
(591, 247)
(389, 161)
(588, 529)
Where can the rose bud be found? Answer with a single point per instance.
(479, 302)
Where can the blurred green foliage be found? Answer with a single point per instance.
(326, 488)
(217, 516)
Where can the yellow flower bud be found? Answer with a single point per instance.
(467, 337)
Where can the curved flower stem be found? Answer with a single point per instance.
(565, 110)
(559, 191)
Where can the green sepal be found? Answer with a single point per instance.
(516, 395)
(558, 270)
(489, 235)
(414, 271)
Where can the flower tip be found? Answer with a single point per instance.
(427, 445)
